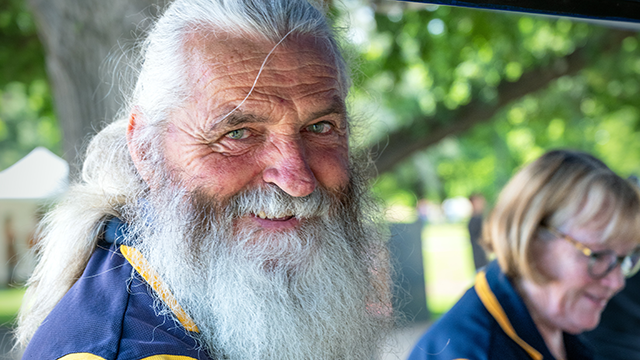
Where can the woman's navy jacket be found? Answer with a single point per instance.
(109, 313)
(490, 322)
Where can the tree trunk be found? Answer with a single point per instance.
(84, 42)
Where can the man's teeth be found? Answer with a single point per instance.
(263, 215)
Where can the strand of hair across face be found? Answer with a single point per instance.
(260, 71)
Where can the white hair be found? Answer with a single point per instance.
(110, 180)
(162, 85)
(318, 292)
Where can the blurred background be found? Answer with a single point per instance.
(452, 101)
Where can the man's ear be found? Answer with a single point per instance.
(136, 149)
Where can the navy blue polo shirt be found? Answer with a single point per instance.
(109, 312)
(490, 322)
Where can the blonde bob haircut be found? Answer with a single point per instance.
(561, 189)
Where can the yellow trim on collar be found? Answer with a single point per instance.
(141, 265)
(81, 356)
(87, 356)
(168, 357)
(493, 306)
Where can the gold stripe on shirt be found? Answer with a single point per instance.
(490, 302)
(143, 267)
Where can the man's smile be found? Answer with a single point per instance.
(280, 221)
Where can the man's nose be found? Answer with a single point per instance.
(288, 168)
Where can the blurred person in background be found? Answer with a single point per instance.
(474, 226)
(617, 337)
(565, 232)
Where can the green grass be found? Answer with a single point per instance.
(448, 265)
(10, 300)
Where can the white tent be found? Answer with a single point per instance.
(39, 177)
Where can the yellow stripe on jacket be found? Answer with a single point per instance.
(87, 356)
(492, 304)
(141, 265)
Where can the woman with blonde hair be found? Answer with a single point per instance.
(565, 232)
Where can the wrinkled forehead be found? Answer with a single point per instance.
(210, 56)
(224, 72)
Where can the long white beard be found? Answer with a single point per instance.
(318, 292)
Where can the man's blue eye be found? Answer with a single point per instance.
(319, 128)
(237, 134)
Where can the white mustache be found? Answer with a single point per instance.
(272, 202)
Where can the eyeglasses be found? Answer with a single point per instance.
(602, 262)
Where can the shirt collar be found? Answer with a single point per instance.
(115, 231)
(499, 296)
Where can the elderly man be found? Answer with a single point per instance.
(225, 216)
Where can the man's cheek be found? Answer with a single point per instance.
(223, 176)
(331, 169)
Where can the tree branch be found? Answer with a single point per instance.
(403, 143)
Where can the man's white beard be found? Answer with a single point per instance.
(320, 291)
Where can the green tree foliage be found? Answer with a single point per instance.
(26, 112)
(461, 98)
